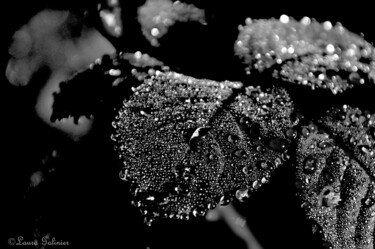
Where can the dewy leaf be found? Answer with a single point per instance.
(335, 180)
(188, 144)
(307, 53)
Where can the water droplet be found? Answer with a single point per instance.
(256, 184)
(233, 138)
(327, 25)
(211, 205)
(330, 48)
(278, 162)
(241, 194)
(309, 165)
(284, 18)
(324, 144)
(285, 156)
(305, 132)
(225, 199)
(291, 133)
(306, 20)
(279, 144)
(245, 170)
(312, 128)
(155, 32)
(368, 202)
(199, 211)
(356, 78)
(114, 72)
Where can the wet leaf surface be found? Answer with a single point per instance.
(190, 144)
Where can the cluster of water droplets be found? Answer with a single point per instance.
(320, 55)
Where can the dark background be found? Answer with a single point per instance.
(83, 202)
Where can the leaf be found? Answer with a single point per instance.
(188, 145)
(335, 178)
(307, 53)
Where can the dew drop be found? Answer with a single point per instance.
(284, 18)
(263, 180)
(291, 133)
(330, 48)
(241, 194)
(225, 200)
(279, 144)
(306, 20)
(324, 144)
(368, 202)
(199, 211)
(305, 132)
(245, 170)
(355, 78)
(309, 165)
(256, 184)
(327, 25)
(312, 128)
(278, 162)
(155, 32)
(285, 156)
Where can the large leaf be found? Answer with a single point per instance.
(190, 144)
